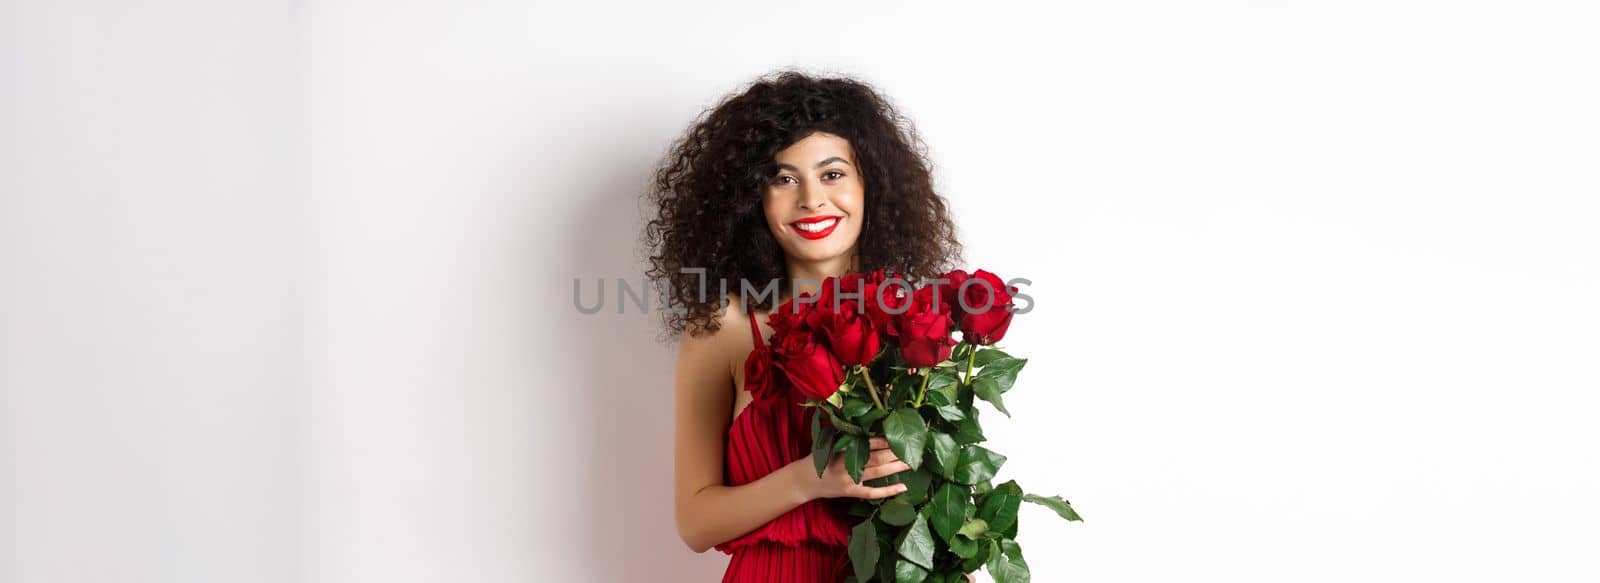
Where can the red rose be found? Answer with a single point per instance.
(830, 288)
(984, 311)
(758, 377)
(854, 281)
(884, 299)
(809, 365)
(950, 289)
(835, 291)
(924, 329)
(849, 332)
(789, 317)
(815, 315)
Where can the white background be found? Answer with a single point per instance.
(287, 287)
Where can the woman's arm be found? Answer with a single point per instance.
(709, 512)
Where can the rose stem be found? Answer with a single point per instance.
(872, 389)
(924, 390)
(970, 356)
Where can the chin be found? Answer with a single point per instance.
(818, 252)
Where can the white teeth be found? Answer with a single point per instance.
(816, 227)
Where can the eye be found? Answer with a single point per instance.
(780, 179)
(833, 174)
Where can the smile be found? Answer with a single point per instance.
(817, 227)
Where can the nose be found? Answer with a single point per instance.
(813, 197)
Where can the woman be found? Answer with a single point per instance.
(795, 178)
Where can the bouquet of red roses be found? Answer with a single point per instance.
(876, 356)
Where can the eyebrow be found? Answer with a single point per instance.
(783, 166)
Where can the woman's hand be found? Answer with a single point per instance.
(835, 481)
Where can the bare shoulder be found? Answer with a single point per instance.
(729, 322)
(705, 356)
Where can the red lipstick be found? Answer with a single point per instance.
(814, 235)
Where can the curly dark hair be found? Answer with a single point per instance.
(707, 192)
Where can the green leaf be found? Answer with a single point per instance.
(1000, 506)
(977, 464)
(964, 547)
(965, 398)
(854, 407)
(908, 572)
(948, 509)
(916, 543)
(1005, 562)
(967, 429)
(983, 487)
(1003, 371)
(917, 482)
(988, 390)
(951, 412)
(871, 417)
(843, 442)
(855, 458)
(821, 444)
(973, 529)
(978, 559)
(989, 355)
(907, 434)
(946, 453)
(902, 388)
(886, 566)
(897, 512)
(942, 387)
(961, 351)
(843, 425)
(864, 549)
(1056, 503)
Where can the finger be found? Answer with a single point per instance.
(878, 443)
(881, 457)
(880, 492)
(876, 472)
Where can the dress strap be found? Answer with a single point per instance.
(755, 331)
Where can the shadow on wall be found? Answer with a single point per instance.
(621, 525)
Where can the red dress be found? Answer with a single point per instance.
(808, 543)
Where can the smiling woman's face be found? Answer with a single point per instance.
(817, 178)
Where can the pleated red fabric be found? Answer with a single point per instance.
(808, 543)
